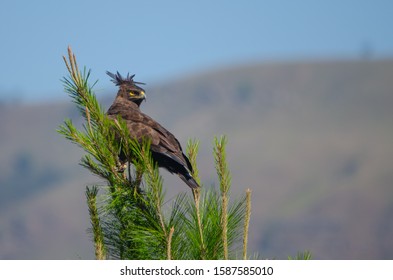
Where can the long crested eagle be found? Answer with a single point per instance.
(165, 148)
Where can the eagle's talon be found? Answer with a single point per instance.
(120, 168)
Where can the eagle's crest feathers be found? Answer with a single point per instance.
(119, 79)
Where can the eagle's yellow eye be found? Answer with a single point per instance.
(132, 93)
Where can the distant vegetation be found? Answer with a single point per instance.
(26, 178)
(313, 141)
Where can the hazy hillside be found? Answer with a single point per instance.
(313, 140)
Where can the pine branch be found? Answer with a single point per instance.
(91, 196)
(196, 194)
(192, 152)
(225, 181)
(306, 255)
(223, 172)
(154, 182)
(246, 223)
(169, 243)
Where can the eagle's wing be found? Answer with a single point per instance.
(162, 141)
(166, 149)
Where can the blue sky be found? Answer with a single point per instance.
(164, 40)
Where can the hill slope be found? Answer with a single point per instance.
(313, 140)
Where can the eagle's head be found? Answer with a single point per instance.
(128, 88)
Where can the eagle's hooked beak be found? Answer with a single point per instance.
(143, 95)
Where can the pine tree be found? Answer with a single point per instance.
(128, 217)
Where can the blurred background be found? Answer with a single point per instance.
(303, 90)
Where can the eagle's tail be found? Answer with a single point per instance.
(189, 180)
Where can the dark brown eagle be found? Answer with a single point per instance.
(165, 148)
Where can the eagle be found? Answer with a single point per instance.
(165, 149)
